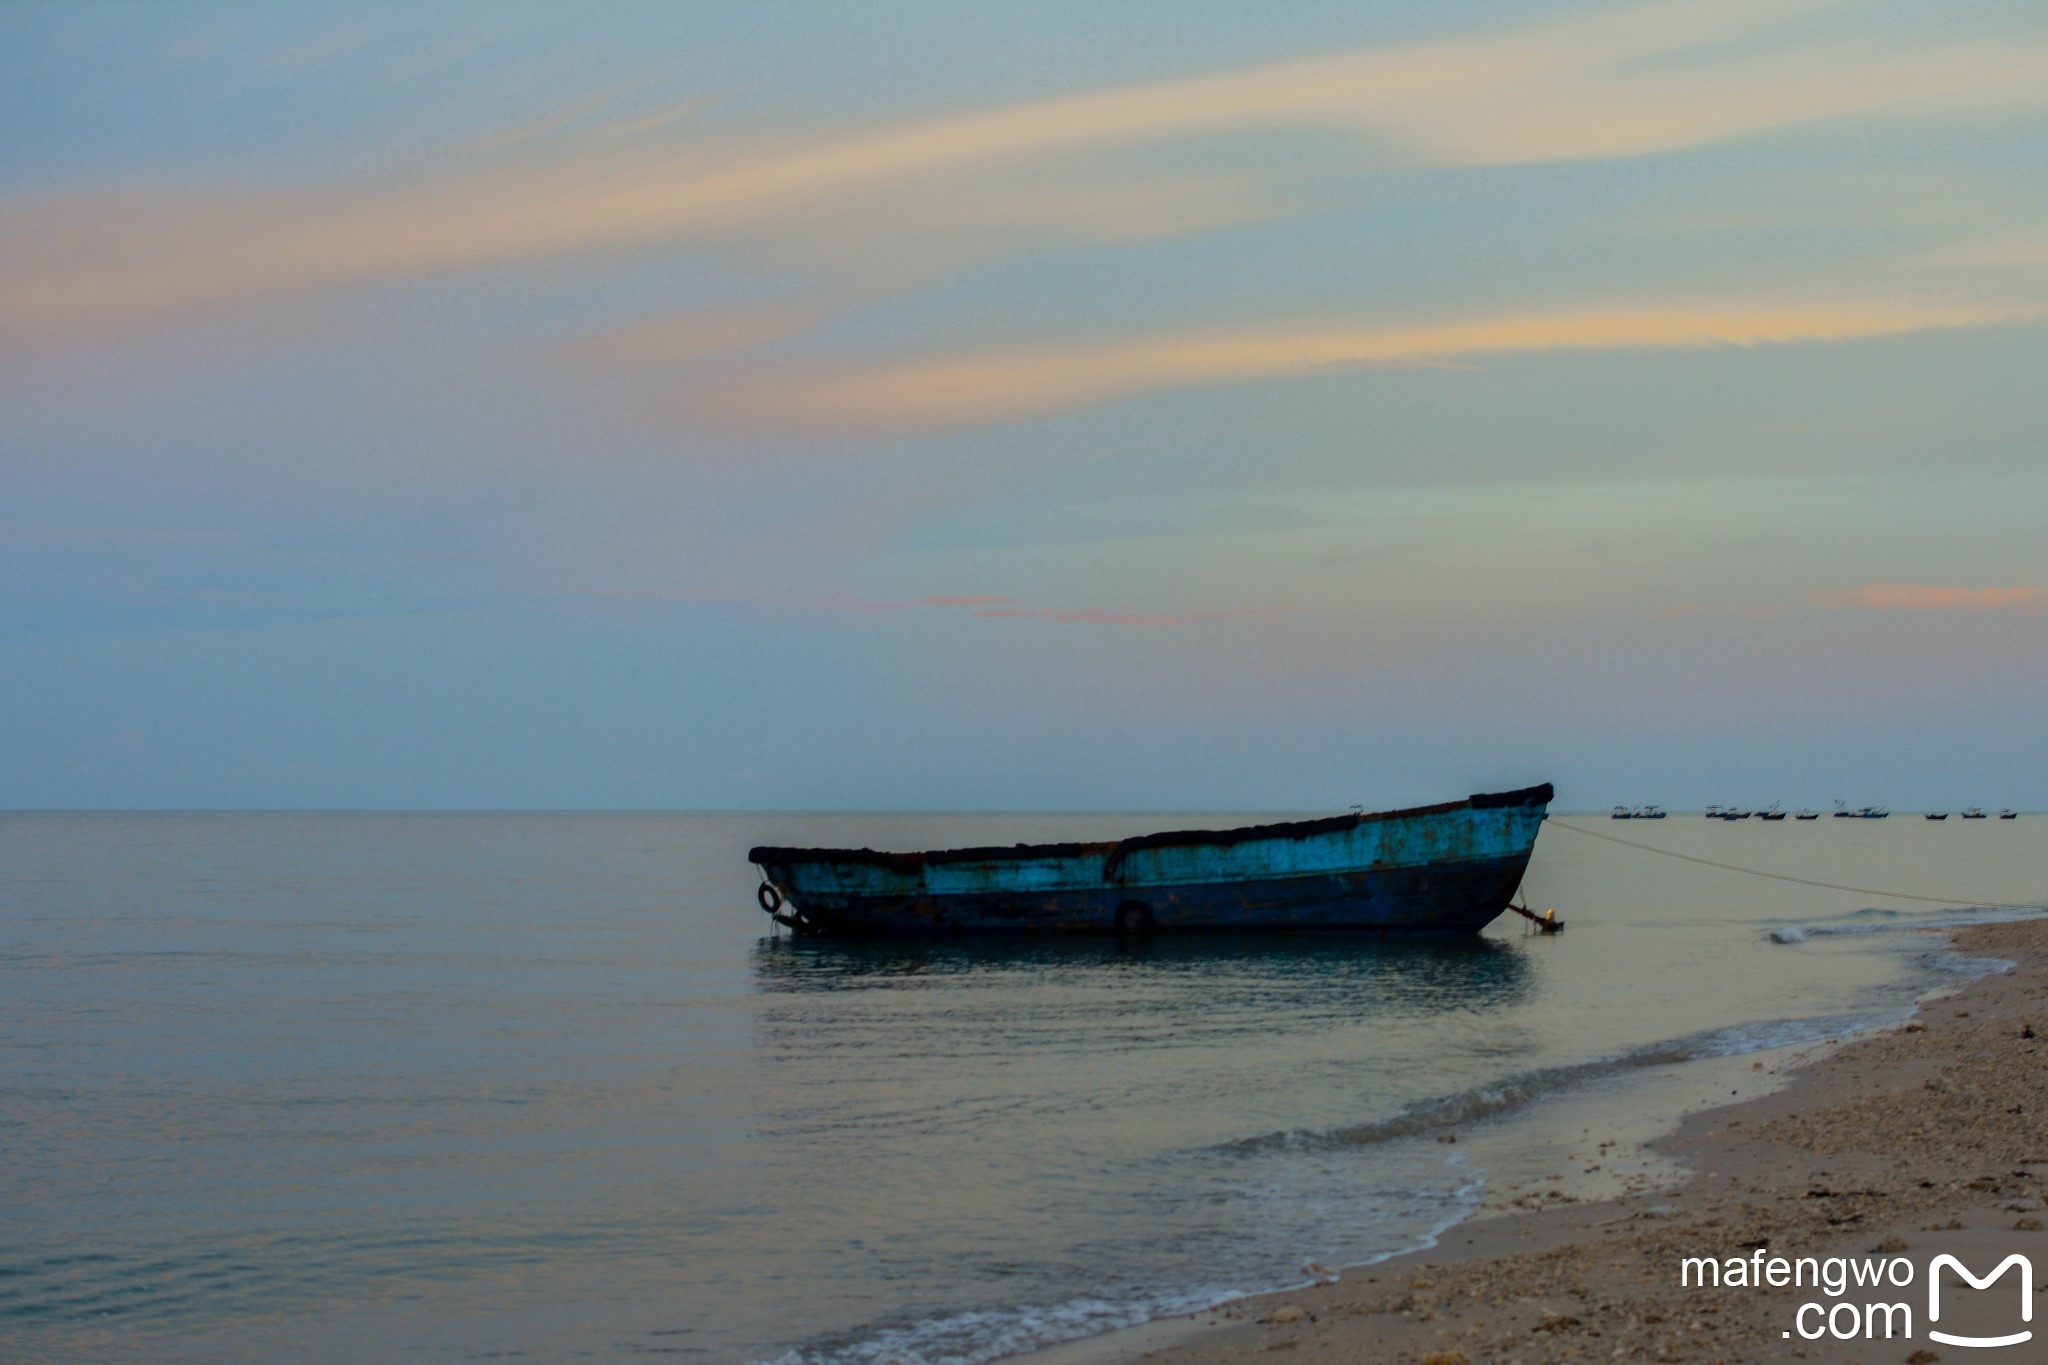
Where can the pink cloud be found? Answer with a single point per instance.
(743, 597)
(1926, 597)
(1132, 618)
(981, 605)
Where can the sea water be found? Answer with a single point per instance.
(334, 1087)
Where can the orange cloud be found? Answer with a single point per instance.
(1610, 83)
(1008, 384)
(1926, 597)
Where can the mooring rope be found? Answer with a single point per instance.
(1803, 881)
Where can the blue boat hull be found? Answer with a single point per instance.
(1435, 870)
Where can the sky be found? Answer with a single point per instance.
(931, 406)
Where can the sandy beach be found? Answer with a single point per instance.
(1897, 1147)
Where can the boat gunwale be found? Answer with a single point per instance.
(1116, 849)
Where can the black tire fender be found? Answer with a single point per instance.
(767, 897)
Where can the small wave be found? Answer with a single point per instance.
(1882, 921)
(978, 1337)
(1739, 1039)
(975, 1338)
(1515, 1092)
(1962, 965)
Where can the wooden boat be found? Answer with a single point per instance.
(1445, 869)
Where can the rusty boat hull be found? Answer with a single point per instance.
(1447, 869)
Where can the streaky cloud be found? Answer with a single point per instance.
(106, 535)
(680, 338)
(1604, 83)
(1110, 617)
(1930, 597)
(1006, 385)
(979, 605)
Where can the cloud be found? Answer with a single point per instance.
(1927, 597)
(677, 339)
(847, 604)
(105, 535)
(1133, 618)
(858, 606)
(980, 605)
(1612, 82)
(2001, 251)
(1014, 609)
(1008, 384)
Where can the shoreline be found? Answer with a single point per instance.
(1905, 1141)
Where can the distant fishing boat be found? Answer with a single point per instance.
(1806, 815)
(1622, 813)
(1445, 869)
(1943, 815)
(2008, 815)
(1874, 813)
(1973, 813)
(1649, 813)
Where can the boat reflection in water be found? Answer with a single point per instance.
(1355, 974)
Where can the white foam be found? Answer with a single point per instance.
(2002, 914)
(975, 1338)
(1963, 965)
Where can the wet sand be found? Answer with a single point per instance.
(1914, 1141)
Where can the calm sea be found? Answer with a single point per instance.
(443, 1086)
